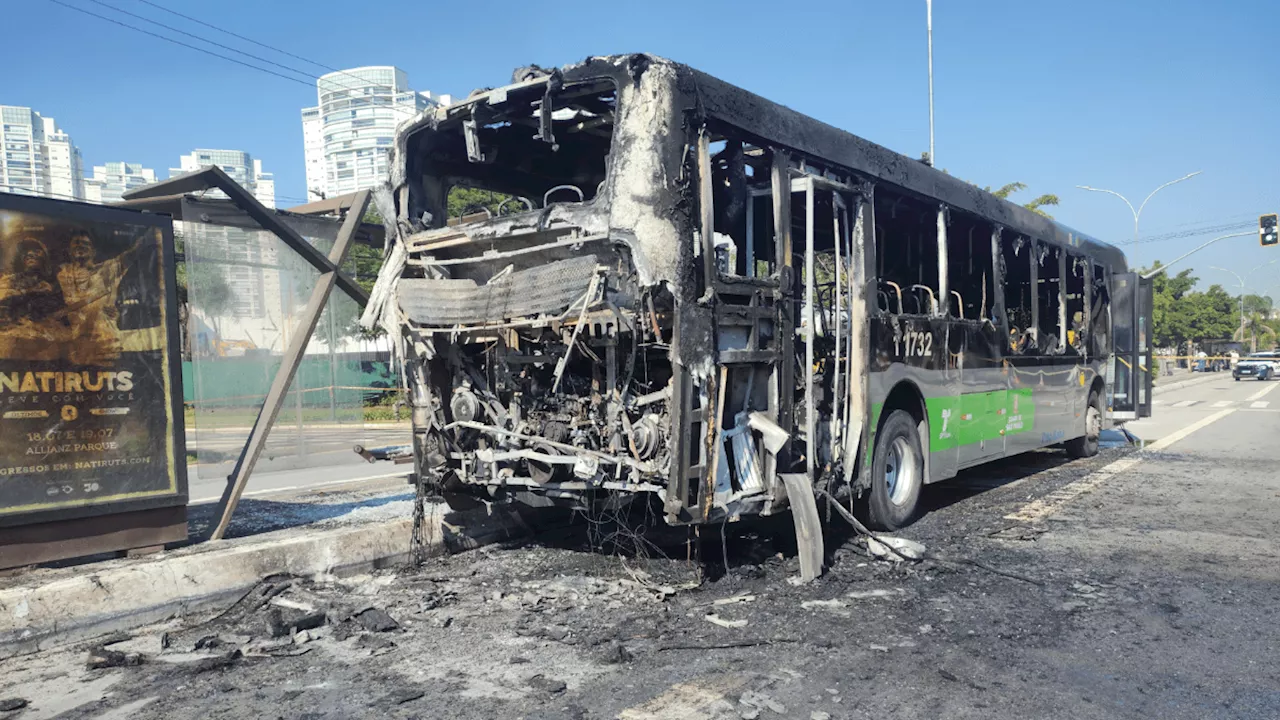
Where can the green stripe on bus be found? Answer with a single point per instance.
(978, 417)
(972, 417)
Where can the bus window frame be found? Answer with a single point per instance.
(993, 269)
(1032, 328)
(705, 249)
(1074, 259)
(939, 309)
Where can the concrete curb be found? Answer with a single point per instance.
(66, 605)
(1202, 378)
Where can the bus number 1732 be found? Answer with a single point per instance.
(914, 343)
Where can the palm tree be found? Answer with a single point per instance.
(1035, 206)
(1263, 335)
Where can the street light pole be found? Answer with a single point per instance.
(1194, 250)
(943, 273)
(1137, 213)
(1241, 280)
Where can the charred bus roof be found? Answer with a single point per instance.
(699, 94)
(785, 127)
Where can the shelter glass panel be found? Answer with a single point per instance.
(246, 293)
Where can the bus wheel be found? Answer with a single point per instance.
(1087, 446)
(897, 473)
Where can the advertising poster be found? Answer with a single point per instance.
(87, 383)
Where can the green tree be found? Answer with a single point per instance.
(362, 264)
(1213, 313)
(1004, 191)
(1170, 317)
(1258, 327)
(465, 200)
(205, 283)
(1269, 338)
(1036, 206)
(1179, 314)
(1258, 305)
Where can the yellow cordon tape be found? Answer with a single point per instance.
(1192, 357)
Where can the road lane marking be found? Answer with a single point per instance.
(1223, 403)
(1051, 503)
(1259, 404)
(1185, 403)
(1262, 393)
(1174, 437)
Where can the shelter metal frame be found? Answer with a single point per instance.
(164, 195)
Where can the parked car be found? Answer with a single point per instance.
(1263, 366)
(1210, 364)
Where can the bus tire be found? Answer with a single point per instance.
(897, 473)
(1087, 444)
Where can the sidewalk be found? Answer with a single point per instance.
(1184, 378)
(52, 606)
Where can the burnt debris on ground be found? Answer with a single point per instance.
(554, 628)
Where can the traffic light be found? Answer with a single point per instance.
(1269, 230)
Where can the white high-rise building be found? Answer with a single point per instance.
(264, 185)
(66, 166)
(347, 137)
(111, 181)
(313, 150)
(240, 166)
(38, 157)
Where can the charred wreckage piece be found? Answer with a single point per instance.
(637, 308)
(570, 344)
(543, 345)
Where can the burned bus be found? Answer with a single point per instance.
(693, 293)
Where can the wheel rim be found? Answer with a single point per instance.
(900, 470)
(1093, 422)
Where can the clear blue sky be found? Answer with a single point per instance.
(1120, 95)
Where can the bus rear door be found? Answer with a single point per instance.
(1131, 377)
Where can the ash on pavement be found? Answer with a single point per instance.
(1014, 621)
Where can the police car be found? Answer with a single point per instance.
(1263, 365)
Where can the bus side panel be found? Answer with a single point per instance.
(1089, 372)
(978, 406)
(918, 350)
(1037, 407)
(983, 415)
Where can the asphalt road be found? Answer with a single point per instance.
(318, 457)
(1137, 584)
(1259, 400)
